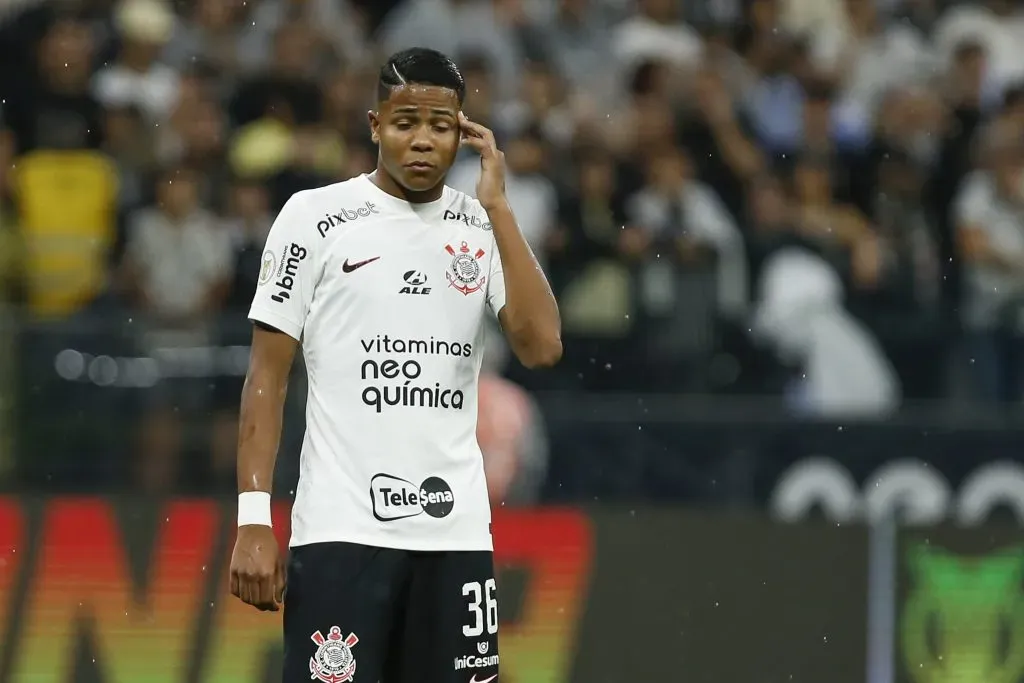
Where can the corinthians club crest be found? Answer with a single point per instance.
(267, 267)
(464, 272)
(333, 661)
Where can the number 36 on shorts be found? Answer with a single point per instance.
(483, 608)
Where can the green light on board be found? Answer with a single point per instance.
(963, 621)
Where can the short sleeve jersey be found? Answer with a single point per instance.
(388, 300)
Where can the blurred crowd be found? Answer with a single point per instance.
(820, 200)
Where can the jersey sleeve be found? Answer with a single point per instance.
(288, 273)
(496, 284)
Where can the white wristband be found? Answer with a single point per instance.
(254, 508)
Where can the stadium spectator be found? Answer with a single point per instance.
(462, 27)
(176, 272)
(249, 217)
(66, 204)
(660, 154)
(574, 35)
(656, 32)
(55, 110)
(137, 78)
(530, 192)
(841, 370)
(677, 216)
(990, 229)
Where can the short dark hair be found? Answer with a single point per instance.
(423, 66)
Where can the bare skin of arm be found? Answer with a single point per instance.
(257, 567)
(530, 316)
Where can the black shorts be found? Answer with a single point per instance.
(366, 614)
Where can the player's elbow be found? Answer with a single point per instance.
(542, 353)
(536, 340)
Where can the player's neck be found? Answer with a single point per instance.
(385, 182)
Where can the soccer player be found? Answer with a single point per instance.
(385, 281)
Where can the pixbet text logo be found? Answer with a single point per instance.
(333, 220)
(287, 271)
(394, 498)
(467, 219)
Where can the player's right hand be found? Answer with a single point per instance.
(257, 568)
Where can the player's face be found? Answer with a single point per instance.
(418, 132)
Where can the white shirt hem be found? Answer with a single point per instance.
(425, 544)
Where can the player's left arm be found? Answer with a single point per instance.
(529, 316)
(528, 312)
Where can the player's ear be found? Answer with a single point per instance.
(374, 120)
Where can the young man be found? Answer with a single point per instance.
(385, 280)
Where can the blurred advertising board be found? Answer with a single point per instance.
(917, 491)
(98, 590)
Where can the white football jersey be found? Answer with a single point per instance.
(388, 300)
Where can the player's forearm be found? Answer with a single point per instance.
(259, 432)
(530, 317)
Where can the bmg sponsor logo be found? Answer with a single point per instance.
(467, 219)
(333, 220)
(284, 273)
(394, 498)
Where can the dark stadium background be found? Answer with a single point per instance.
(787, 236)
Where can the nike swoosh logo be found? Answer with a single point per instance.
(486, 680)
(349, 267)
